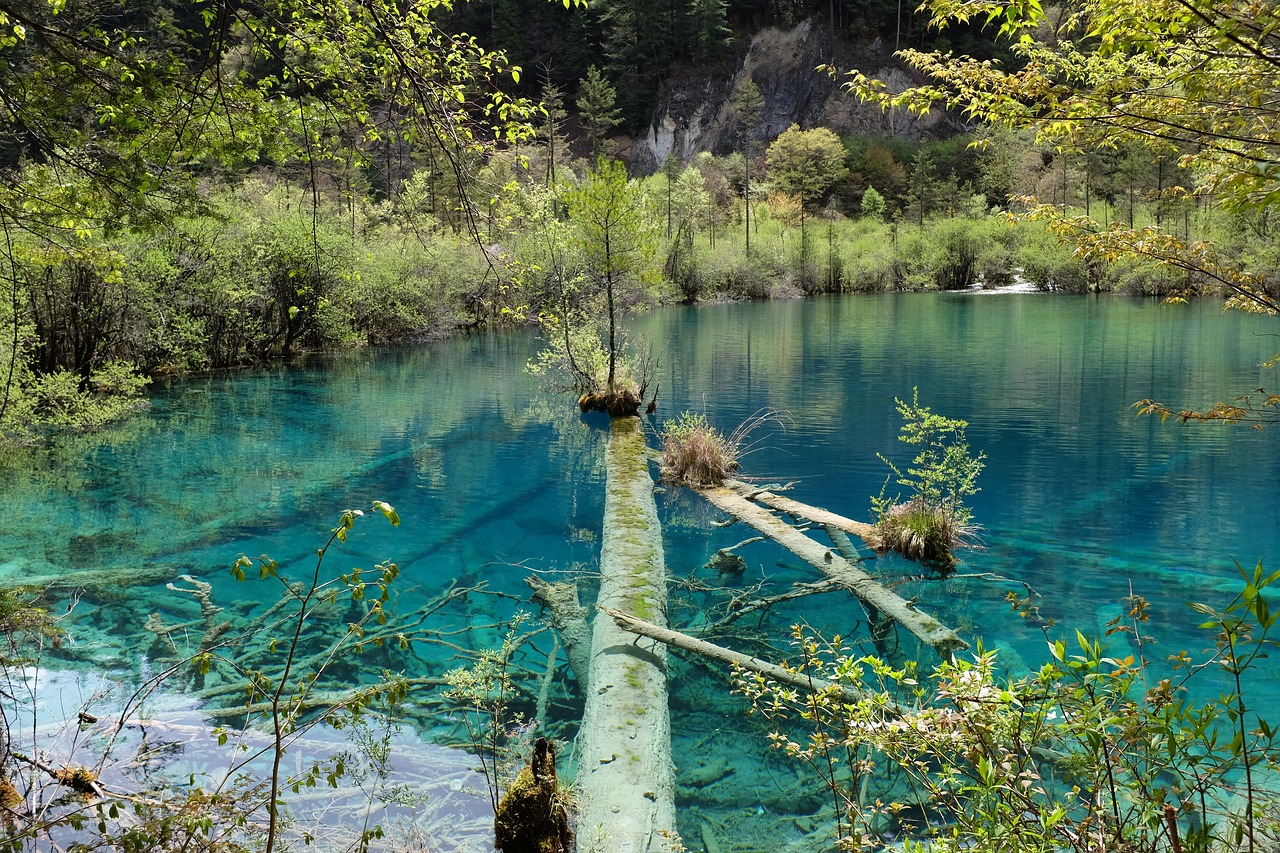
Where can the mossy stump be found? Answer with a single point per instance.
(616, 404)
(531, 817)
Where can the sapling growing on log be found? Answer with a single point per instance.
(587, 351)
(932, 520)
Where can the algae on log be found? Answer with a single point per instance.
(625, 770)
(873, 593)
(531, 817)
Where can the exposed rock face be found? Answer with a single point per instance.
(695, 114)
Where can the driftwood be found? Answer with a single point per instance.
(881, 626)
(711, 651)
(871, 592)
(625, 771)
(746, 606)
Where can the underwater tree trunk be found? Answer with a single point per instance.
(720, 654)
(624, 751)
(871, 592)
(865, 532)
(569, 619)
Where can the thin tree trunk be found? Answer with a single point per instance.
(720, 654)
(871, 592)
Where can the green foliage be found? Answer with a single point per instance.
(709, 35)
(807, 163)
(933, 519)
(1138, 85)
(480, 697)
(286, 690)
(953, 254)
(597, 100)
(1097, 749)
(284, 668)
(873, 204)
(25, 625)
(616, 239)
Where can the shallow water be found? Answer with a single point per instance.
(1080, 499)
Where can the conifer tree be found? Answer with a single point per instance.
(597, 107)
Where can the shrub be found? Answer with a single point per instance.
(933, 520)
(1098, 749)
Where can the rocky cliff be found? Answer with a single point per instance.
(695, 113)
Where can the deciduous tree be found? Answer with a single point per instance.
(1190, 81)
(807, 163)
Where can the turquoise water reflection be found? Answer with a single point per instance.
(1081, 499)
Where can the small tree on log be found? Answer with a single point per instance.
(616, 240)
(933, 519)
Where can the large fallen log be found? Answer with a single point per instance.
(871, 592)
(711, 651)
(624, 762)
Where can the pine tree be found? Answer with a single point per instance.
(597, 107)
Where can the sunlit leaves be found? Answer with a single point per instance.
(1187, 76)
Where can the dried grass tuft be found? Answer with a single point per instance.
(923, 532)
(694, 453)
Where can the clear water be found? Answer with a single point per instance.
(1081, 499)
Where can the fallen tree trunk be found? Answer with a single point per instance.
(624, 762)
(711, 651)
(818, 515)
(569, 618)
(871, 592)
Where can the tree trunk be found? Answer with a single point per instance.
(865, 532)
(624, 751)
(720, 654)
(569, 618)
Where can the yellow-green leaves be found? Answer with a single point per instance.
(388, 511)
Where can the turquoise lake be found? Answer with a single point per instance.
(1081, 499)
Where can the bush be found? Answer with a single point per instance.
(933, 520)
(1099, 749)
(1049, 264)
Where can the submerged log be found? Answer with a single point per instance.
(569, 619)
(625, 770)
(871, 592)
(818, 515)
(720, 654)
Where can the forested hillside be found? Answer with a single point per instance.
(196, 186)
